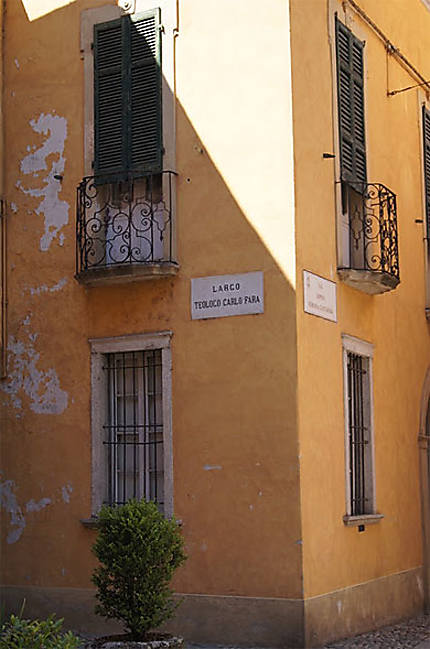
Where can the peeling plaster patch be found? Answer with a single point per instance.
(41, 386)
(59, 285)
(213, 467)
(26, 321)
(55, 211)
(203, 547)
(251, 508)
(14, 207)
(46, 289)
(260, 493)
(339, 606)
(9, 503)
(33, 506)
(66, 491)
(16, 63)
(61, 239)
(39, 290)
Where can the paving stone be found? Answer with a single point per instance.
(411, 633)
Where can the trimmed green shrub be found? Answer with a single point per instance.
(138, 550)
(18, 633)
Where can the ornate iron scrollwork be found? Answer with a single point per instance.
(372, 213)
(124, 221)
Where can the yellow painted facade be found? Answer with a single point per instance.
(258, 413)
(394, 322)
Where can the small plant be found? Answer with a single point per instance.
(138, 550)
(18, 633)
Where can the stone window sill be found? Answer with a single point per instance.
(364, 519)
(368, 281)
(126, 273)
(91, 523)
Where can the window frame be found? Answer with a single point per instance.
(352, 345)
(99, 407)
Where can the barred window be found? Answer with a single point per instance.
(359, 431)
(134, 427)
(358, 426)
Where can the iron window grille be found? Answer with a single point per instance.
(359, 434)
(134, 430)
(426, 157)
(371, 209)
(124, 223)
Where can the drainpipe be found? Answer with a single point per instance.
(3, 222)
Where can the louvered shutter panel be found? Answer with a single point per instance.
(145, 152)
(109, 98)
(350, 91)
(426, 139)
(127, 97)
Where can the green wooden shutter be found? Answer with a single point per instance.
(145, 137)
(127, 96)
(109, 98)
(350, 92)
(426, 148)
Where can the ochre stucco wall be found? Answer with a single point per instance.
(259, 396)
(336, 556)
(234, 379)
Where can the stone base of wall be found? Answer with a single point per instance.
(363, 607)
(247, 621)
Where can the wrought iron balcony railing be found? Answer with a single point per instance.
(127, 222)
(372, 232)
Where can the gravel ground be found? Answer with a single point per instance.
(404, 635)
(399, 636)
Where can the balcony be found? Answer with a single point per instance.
(124, 228)
(370, 254)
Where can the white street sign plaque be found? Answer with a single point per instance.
(226, 295)
(319, 296)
